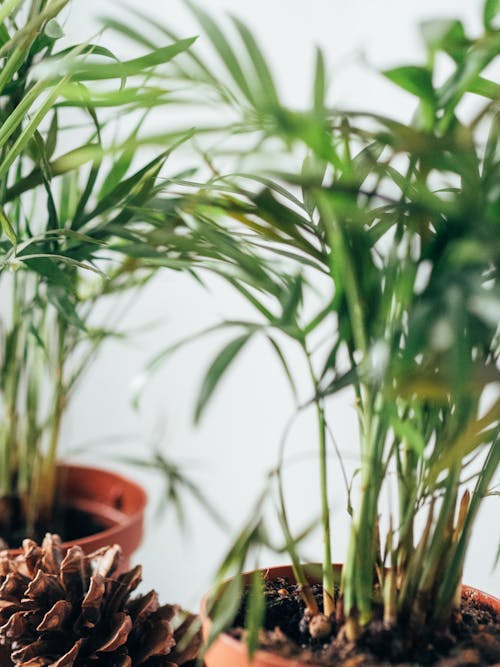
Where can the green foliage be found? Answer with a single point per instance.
(72, 232)
(225, 357)
(255, 611)
(381, 239)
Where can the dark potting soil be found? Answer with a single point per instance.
(473, 640)
(69, 522)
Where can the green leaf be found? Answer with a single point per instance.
(291, 301)
(8, 7)
(84, 50)
(53, 29)
(216, 370)
(223, 48)
(223, 612)
(63, 304)
(49, 270)
(312, 172)
(491, 11)
(121, 164)
(19, 46)
(7, 228)
(98, 71)
(340, 382)
(127, 188)
(4, 34)
(162, 357)
(52, 134)
(286, 367)
(136, 34)
(15, 120)
(268, 96)
(30, 129)
(319, 88)
(467, 74)
(445, 35)
(256, 611)
(416, 80)
(409, 433)
(34, 260)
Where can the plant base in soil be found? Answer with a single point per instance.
(473, 637)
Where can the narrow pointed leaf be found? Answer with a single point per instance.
(216, 371)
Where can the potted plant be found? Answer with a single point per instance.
(375, 250)
(71, 236)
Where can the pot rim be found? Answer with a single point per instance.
(117, 519)
(274, 659)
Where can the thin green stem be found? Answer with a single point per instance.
(328, 576)
(49, 464)
(298, 570)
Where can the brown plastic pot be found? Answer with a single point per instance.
(113, 500)
(227, 651)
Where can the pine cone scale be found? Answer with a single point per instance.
(56, 616)
(43, 589)
(68, 659)
(159, 641)
(118, 634)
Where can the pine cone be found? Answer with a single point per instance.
(74, 611)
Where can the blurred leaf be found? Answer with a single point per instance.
(125, 189)
(226, 606)
(7, 228)
(409, 434)
(119, 70)
(216, 370)
(223, 48)
(60, 300)
(319, 88)
(53, 29)
(52, 134)
(4, 34)
(8, 7)
(312, 171)
(160, 358)
(291, 300)
(255, 612)
(341, 382)
(284, 364)
(467, 72)
(416, 80)
(29, 130)
(131, 32)
(268, 97)
(446, 35)
(491, 10)
(86, 49)
(119, 167)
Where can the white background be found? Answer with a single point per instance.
(237, 442)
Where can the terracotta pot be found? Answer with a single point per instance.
(226, 651)
(114, 501)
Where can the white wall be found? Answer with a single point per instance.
(238, 440)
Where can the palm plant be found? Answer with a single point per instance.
(397, 227)
(71, 190)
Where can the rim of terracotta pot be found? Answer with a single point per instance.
(229, 651)
(115, 500)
